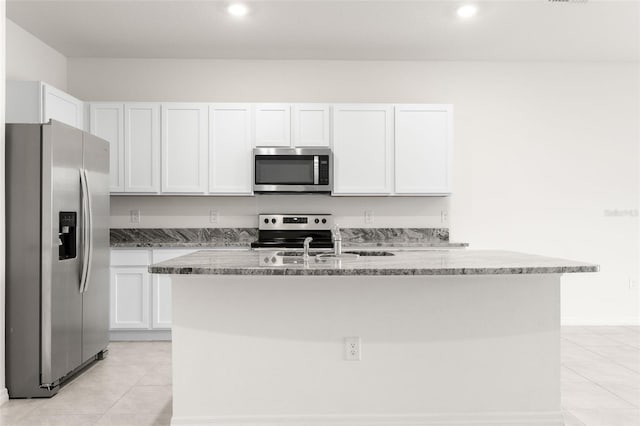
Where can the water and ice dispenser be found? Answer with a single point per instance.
(67, 226)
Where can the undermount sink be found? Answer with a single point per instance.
(297, 253)
(370, 253)
(350, 254)
(338, 256)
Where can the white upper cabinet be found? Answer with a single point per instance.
(63, 107)
(423, 136)
(142, 147)
(230, 162)
(106, 122)
(362, 149)
(38, 102)
(311, 125)
(272, 125)
(184, 148)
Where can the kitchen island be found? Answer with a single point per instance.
(455, 337)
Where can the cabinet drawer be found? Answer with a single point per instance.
(130, 257)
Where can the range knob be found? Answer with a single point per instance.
(273, 220)
(266, 221)
(324, 220)
(317, 221)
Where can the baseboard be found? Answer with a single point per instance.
(600, 322)
(4, 395)
(139, 335)
(444, 419)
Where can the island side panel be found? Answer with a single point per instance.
(269, 349)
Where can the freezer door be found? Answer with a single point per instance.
(95, 312)
(61, 319)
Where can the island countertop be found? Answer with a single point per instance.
(430, 262)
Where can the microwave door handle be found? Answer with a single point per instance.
(316, 170)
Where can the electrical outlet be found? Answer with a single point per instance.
(352, 349)
(213, 216)
(368, 216)
(444, 216)
(633, 284)
(134, 216)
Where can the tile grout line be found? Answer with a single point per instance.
(607, 358)
(601, 386)
(123, 395)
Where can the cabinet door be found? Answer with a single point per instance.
(129, 297)
(422, 149)
(142, 147)
(362, 149)
(161, 290)
(311, 125)
(106, 122)
(272, 124)
(62, 107)
(161, 303)
(230, 164)
(184, 148)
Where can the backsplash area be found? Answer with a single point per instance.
(242, 212)
(242, 237)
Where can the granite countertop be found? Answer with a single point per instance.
(243, 237)
(433, 262)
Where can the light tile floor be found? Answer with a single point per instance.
(132, 387)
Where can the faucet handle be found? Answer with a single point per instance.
(335, 232)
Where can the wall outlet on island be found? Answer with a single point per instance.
(352, 349)
(444, 216)
(134, 216)
(213, 216)
(368, 216)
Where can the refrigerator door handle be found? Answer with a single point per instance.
(85, 227)
(89, 230)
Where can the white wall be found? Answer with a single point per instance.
(542, 151)
(28, 58)
(4, 396)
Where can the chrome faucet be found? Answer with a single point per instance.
(306, 244)
(336, 236)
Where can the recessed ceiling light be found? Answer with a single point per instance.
(467, 11)
(238, 10)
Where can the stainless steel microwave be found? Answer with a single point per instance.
(292, 170)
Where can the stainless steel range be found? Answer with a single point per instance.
(290, 230)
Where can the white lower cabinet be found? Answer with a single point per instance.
(129, 297)
(140, 301)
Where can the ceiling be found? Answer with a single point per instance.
(516, 30)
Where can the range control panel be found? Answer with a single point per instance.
(294, 221)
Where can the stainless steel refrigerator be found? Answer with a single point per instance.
(57, 255)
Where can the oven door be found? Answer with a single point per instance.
(280, 170)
